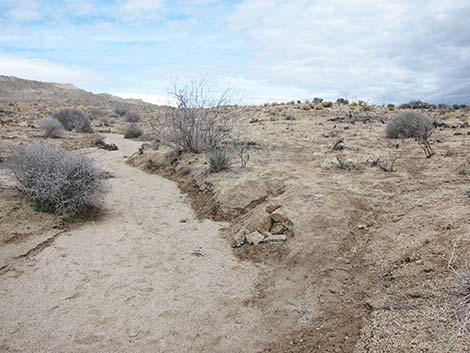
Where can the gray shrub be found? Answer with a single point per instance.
(132, 117)
(56, 180)
(121, 110)
(133, 131)
(409, 125)
(74, 119)
(52, 127)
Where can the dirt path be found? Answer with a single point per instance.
(147, 277)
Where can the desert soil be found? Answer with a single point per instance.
(371, 268)
(147, 276)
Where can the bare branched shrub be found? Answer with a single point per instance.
(386, 165)
(132, 117)
(74, 119)
(221, 158)
(243, 155)
(52, 127)
(56, 180)
(133, 131)
(197, 123)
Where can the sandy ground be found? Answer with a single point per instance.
(371, 267)
(146, 277)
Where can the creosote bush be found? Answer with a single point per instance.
(56, 180)
(409, 125)
(133, 131)
(74, 119)
(52, 127)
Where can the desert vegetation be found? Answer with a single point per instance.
(198, 122)
(74, 119)
(220, 159)
(331, 212)
(133, 130)
(56, 180)
(410, 124)
(121, 110)
(52, 127)
(132, 117)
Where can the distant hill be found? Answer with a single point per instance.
(17, 89)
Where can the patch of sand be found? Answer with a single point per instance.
(146, 277)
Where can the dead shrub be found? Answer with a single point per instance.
(198, 123)
(56, 180)
(386, 165)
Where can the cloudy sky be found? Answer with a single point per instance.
(271, 50)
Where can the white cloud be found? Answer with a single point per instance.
(141, 5)
(80, 7)
(43, 70)
(25, 10)
(374, 50)
(141, 9)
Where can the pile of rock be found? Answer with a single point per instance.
(275, 227)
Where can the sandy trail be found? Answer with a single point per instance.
(137, 280)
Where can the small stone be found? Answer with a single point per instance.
(271, 208)
(265, 225)
(276, 238)
(279, 218)
(236, 243)
(198, 252)
(361, 226)
(278, 228)
(254, 238)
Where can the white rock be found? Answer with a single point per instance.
(276, 237)
(254, 238)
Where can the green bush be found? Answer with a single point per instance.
(220, 159)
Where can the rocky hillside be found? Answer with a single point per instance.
(17, 89)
